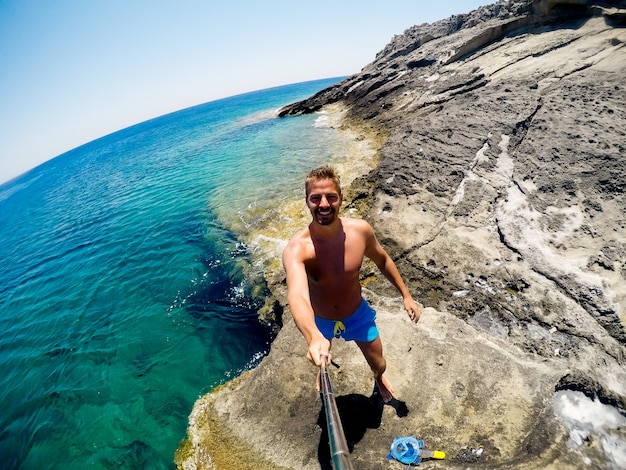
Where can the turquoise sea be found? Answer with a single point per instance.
(127, 288)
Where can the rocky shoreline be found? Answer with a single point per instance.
(500, 193)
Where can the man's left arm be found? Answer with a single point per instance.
(375, 252)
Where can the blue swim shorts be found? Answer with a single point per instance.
(359, 326)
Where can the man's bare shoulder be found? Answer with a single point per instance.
(352, 223)
(302, 236)
(298, 243)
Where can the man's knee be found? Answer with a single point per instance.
(374, 356)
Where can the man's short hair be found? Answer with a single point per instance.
(324, 172)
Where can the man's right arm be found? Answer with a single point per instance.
(300, 303)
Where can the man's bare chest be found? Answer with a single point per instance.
(328, 262)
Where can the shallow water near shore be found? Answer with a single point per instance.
(125, 289)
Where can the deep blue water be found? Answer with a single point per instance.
(127, 289)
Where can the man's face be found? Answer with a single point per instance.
(324, 201)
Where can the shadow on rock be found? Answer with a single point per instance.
(358, 413)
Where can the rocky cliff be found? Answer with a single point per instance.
(500, 194)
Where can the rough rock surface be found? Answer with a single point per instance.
(500, 194)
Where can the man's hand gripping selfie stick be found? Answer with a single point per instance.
(339, 452)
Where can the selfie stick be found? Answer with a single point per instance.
(340, 455)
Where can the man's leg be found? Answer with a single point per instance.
(373, 352)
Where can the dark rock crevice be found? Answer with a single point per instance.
(593, 390)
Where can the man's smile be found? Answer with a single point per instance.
(325, 211)
(324, 216)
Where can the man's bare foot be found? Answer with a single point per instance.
(385, 389)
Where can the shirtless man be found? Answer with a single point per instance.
(322, 264)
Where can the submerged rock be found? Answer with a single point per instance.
(500, 194)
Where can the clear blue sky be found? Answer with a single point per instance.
(74, 70)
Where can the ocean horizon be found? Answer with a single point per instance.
(131, 276)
